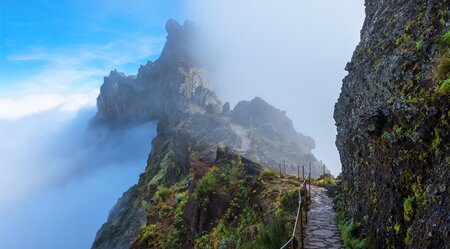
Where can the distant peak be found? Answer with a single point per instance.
(114, 74)
(172, 26)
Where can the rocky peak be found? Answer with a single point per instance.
(260, 114)
(181, 43)
(174, 85)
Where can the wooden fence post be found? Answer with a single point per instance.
(303, 172)
(301, 228)
(306, 201)
(310, 181)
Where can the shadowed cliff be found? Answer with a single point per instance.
(392, 119)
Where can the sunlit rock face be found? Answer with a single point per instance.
(175, 91)
(174, 85)
(392, 119)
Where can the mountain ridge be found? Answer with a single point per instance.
(175, 92)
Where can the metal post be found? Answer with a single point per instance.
(298, 172)
(324, 170)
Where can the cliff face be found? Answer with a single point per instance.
(392, 118)
(173, 86)
(191, 124)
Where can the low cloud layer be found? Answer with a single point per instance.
(57, 173)
(291, 53)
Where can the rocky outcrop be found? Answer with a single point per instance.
(170, 88)
(191, 124)
(272, 139)
(392, 118)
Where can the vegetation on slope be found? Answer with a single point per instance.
(233, 204)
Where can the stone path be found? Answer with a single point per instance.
(321, 230)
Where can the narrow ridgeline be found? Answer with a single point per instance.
(204, 185)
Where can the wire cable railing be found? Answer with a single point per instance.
(299, 216)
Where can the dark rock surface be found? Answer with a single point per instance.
(392, 118)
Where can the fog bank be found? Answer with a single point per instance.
(59, 179)
(291, 53)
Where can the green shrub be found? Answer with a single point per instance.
(162, 194)
(176, 236)
(268, 175)
(348, 233)
(207, 185)
(288, 201)
(273, 236)
(324, 180)
(294, 182)
(150, 236)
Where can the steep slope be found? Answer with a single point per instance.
(392, 118)
(191, 124)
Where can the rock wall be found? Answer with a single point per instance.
(392, 118)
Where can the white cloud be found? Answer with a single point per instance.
(14, 108)
(70, 76)
(133, 49)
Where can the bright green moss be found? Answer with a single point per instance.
(437, 139)
(445, 87)
(446, 37)
(408, 208)
(397, 228)
(419, 45)
(385, 135)
(402, 39)
(409, 205)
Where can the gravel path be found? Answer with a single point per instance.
(321, 230)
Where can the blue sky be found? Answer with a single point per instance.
(58, 46)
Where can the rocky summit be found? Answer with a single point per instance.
(393, 120)
(205, 184)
